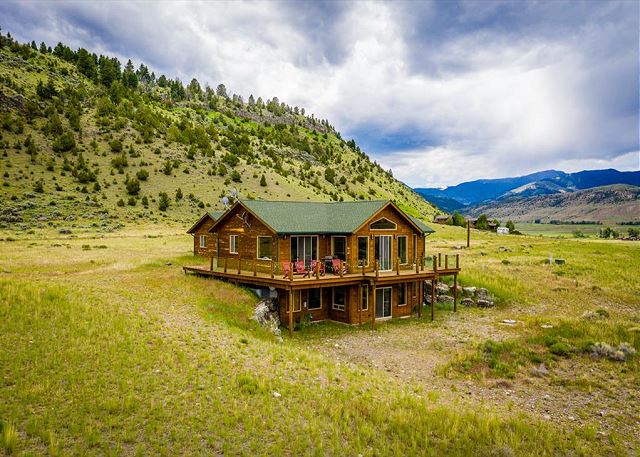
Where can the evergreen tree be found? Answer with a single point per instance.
(263, 181)
(164, 201)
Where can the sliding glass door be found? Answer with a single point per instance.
(304, 248)
(383, 251)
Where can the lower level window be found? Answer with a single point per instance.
(203, 241)
(402, 294)
(339, 298)
(314, 299)
(364, 290)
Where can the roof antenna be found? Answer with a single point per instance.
(225, 201)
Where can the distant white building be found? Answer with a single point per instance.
(502, 230)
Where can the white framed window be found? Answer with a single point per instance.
(264, 247)
(402, 249)
(363, 250)
(203, 241)
(339, 295)
(402, 294)
(364, 294)
(233, 244)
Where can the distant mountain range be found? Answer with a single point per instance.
(522, 197)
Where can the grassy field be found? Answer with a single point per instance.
(109, 349)
(566, 230)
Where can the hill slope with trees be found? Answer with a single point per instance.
(87, 140)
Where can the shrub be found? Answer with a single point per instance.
(235, 176)
(178, 194)
(164, 201)
(145, 201)
(120, 202)
(116, 145)
(329, 174)
(133, 186)
(131, 201)
(39, 186)
(142, 174)
(167, 168)
(64, 142)
(263, 181)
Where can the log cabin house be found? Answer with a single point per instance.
(350, 262)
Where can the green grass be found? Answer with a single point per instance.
(126, 355)
(566, 230)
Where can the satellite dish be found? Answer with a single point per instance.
(225, 201)
(234, 193)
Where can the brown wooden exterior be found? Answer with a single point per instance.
(244, 266)
(201, 228)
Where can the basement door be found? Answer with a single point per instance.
(383, 302)
(383, 251)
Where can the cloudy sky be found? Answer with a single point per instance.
(441, 92)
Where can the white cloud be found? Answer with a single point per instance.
(549, 95)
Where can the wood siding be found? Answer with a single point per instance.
(203, 229)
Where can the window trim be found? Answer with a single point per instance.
(364, 293)
(200, 242)
(258, 248)
(406, 248)
(233, 242)
(395, 226)
(366, 238)
(402, 285)
(337, 306)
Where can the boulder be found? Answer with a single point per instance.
(445, 299)
(442, 288)
(64, 231)
(485, 303)
(560, 262)
(467, 302)
(457, 288)
(482, 293)
(43, 219)
(469, 291)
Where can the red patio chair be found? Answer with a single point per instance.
(299, 265)
(335, 265)
(286, 267)
(320, 266)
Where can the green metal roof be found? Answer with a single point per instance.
(215, 215)
(424, 227)
(286, 217)
(313, 217)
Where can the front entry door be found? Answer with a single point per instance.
(383, 302)
(383, 251)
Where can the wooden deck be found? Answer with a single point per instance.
(328, 280)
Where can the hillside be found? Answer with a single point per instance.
(616, 203)
(541, 183)
(85, 143)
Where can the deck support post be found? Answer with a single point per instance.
(433, 298)
(360, 305)
(455, 293)
(373, 310)
(239, 264)
(290, 312)
(420, 298)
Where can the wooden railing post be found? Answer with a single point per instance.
(317, 269)
(422, 260)
(211, 263)
(418, 265)
(255, 267)
(363, 269)
(446, 261)
(239, 264)
(225, 264)
(377, 268)
(439, 259)
(398, 266)
(291, 271)
(272, 269)
(341, 268)
(435, 264)
(433, 297)
(457, 261)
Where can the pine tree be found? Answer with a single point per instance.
(263, 181)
